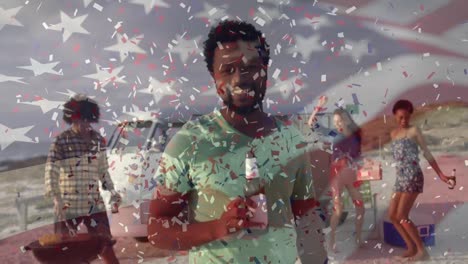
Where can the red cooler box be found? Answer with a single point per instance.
(425, 224)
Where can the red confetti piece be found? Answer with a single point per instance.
(405, 74)
(430, 75)
(76, 48)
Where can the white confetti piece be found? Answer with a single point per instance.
(427, 54)
(54, 116)
(98, 7)
(260, 22)
(276, 74)
(379, 66)
(333, 12)
(137, 216)
(349, 10)
(323, 78)
(44, 24)
(212, 11)
(123, 141)
(341, 35)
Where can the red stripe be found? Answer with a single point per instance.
(420, 47)
(444, 18)
(426, 93)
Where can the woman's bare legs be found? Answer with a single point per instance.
(396, 221)
(360, 210)
(404, 207)
(337, 189)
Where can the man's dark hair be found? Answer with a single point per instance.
(80, 107)
(403, 104)
(231, 31)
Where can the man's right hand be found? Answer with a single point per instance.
(237, 217)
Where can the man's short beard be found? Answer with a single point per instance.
(243, 111)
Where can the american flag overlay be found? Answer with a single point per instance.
(146, 55)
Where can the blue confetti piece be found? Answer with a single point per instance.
(369, 48)
(355, 99)
(153, 184)
(332, 133)
(466, 71)
(355, 84)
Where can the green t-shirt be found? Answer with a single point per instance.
(206, 159)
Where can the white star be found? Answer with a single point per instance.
(69, 25)
(149, 4)
(184, 48)
(142, 115)
(357, 49)
(41, 68)
(87, 2)
(315, 22)
(45, 104)
(124, 46)
(9, 135)
(71, 93)
(6, 78)
(7, 17)
(158, 89)
(306, 46)
(104, 77)
(212, 13)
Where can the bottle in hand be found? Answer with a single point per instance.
(452, 182)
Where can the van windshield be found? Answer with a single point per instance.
(131, 137)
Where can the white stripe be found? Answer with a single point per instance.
(373, 87)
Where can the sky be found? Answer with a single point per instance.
(138, 55)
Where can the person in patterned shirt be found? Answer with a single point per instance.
(237, 214)
(75, 165)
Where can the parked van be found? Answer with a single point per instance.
(135, 148)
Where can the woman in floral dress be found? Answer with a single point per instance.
(406, 142)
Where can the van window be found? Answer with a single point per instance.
(162, 136)
(131, 137)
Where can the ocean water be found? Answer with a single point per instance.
(24, 150)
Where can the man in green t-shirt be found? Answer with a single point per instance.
(242, 176)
